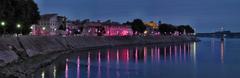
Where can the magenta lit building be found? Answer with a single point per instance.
(94, 28)
(118, 30)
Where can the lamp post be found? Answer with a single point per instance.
(19, 28)
(3, 25)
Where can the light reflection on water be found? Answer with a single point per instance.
(189, 60)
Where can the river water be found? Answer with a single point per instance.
(210, 58)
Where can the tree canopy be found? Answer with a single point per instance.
(22, 12)
(138, 26)
(167, 28)
(186, 28)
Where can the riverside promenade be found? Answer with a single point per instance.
(14, 49)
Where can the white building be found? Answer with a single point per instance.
(48, 24)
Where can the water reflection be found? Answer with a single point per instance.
(99, 64)
(222, 51)
(66, 68)
(78, 67)
(193, 50)
(122, 62)
(43, 74)
(54, 72)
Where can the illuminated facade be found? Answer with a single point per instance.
(151, 27)
(118, 30)
(101, 29)
(73, 27)
(91, 28)
(48, 24)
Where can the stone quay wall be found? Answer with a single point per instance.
(13, 49)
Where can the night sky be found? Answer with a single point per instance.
(204, 15)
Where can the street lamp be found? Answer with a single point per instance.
(19, 27)
(3, 25)
(44, 28)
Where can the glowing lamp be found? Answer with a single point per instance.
(18, 26)
(145, 32)
(44, 28)
(3, 23)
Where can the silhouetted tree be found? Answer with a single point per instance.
(167, 28)
(186, 28)
(108, 21)
(85, 21)
(138, 26)
(62, 27)
(24, 12)
(127, 23)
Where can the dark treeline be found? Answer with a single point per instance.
(22, 12)
(166, 29)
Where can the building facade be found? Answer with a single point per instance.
(49, 25)
(102, 29)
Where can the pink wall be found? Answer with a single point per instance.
(118, 31)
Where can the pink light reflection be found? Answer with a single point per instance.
(136, 55)
(108, 57)
(108, 62)
(180, 54)
(175, 48)
(117, 65)
(66, 68)
(117, 56)
(170, 53)
(158, 54)
(145, 54)
(189, 49)
(88, 65)
(165, 54)
(78, 67)
(127, 69)
(152, 54)
(99, 64)
(184, 54)
(127, 55)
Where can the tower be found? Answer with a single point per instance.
(159, 23)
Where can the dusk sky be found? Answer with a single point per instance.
(204, 15)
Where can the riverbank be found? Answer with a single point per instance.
(21, 48)
(25, 50)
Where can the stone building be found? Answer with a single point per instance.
(49, 25)
(103, 29)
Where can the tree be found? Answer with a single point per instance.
(62, 27)
(85, 21)
(127, 23)
(167, 28)
(186, 28)
(24, 12)
(138, 26)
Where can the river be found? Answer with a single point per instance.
(209, 58)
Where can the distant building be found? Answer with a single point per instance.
(151, 27)
(117, 30)
(106, 29)
(74, 27)
(48, 24)
(91, 28)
